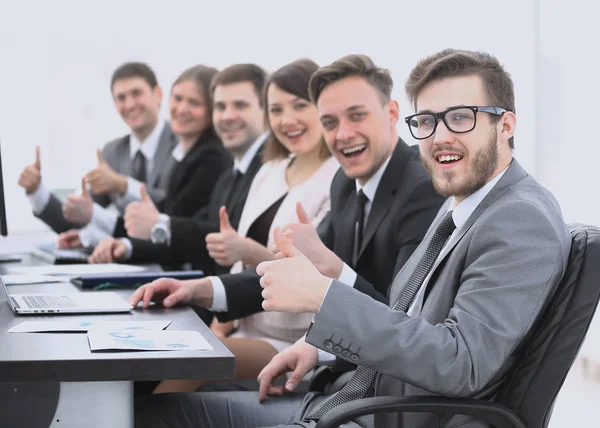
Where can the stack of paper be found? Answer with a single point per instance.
(147, 340)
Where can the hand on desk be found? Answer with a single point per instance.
(169, 291)
(300, 357)
(303, 235)
(69, 239)
(291, 283)
(31, 177)
(79, 208)
(108, 250)
(140, 217)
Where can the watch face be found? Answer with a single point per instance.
(159, 235)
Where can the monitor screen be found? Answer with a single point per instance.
(3, 230)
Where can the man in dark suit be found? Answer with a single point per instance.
(144, 156)
(238, 117)
(460, 308)
(399, 207)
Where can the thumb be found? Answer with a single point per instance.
(144, 194)
(302, 216)
(297, 375)
(284, 245)
(118, 251)
(84, 189)
(224, 219)
(100, 156)
(38, 162)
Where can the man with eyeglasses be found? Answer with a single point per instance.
(462, 304)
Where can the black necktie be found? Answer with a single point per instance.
(359, 384)
(359, 225)
(139, 167)
(232, 190)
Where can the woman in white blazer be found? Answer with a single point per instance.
(298, 167)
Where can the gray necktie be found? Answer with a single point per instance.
(359, 384)
(139, 167)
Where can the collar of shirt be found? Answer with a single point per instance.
(370, 187)
(461, 212)
(178, 153)
(149, 146)
(242, 164)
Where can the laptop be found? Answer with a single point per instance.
(65, 303)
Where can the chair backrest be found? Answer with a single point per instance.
(548, 353)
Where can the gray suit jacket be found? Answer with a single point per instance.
(485, 292)
(117, 154)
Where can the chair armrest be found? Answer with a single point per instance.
(497, 415)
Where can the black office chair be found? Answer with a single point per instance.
(526, 397)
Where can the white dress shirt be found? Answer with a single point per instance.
(460, 214)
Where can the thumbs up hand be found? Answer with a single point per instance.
(303, 235)
(140, 217)
(31, 176)
(103, 179)
(292, 283)
(227, 246)
(78, 208)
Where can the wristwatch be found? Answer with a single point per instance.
(161, 232)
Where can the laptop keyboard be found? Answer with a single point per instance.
(42, 302)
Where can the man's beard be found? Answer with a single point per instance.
(483, 165)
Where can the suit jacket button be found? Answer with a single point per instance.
(328, 344)
(345, 353)
(354, 357)
(337, 349)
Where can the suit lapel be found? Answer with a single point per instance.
(271, 190)
(163, 161)
(386, 189)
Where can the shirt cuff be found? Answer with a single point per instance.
(219, 295)
(129, 251)
(39, 199)
(132, 194)
(91, 235)
(348, 276)
(104, 219)
(325, 358)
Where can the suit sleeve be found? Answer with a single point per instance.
(244, 295)
(52, 215)
(493, 309)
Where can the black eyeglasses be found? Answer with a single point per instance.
(459, 119)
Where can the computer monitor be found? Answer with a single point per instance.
(3, 229)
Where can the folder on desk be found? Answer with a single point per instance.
(132, 279)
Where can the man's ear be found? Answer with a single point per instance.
(394, 111)
(509, 124)
(158, 93)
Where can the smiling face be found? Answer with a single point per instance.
(189, 112)
(460, 164)
(294, 121)
(359, 128)
(237, 115)
(137, 103)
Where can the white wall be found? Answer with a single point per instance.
(57, 58)
(569, 100)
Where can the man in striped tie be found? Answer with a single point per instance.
(462, 303)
